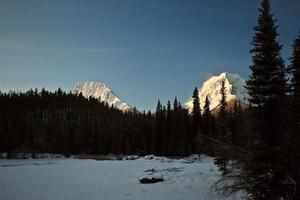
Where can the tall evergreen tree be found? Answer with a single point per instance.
(175, 104)
(223, 112)
(206, 107)
(196, 112)
(292, 146)
(267, 89)
(221, 160)
(206, 117)
(159, 129)
(295, 82)
(267, 82)
(168, 126)
(158, 106)
(196, 118)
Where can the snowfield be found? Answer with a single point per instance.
(81, 179)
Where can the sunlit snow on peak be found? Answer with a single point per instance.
(235, 90)
(101, 92)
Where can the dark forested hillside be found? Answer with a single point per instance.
(59, 122)
(42, 121)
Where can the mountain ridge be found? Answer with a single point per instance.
(235, 90)
(101, 92)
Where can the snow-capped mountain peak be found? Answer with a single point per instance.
(101, 92)
(235, 90)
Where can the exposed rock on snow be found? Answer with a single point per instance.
(101, 92)
(235, 90)
(151, 178)
(131, 157)
(155, 175)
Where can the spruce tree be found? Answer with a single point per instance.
(221, 160)
(267, 89)
(177, 139)
(223, 112)
(159, 129)
(196, 110)
(292, 146)
(196, 117)
(206, 107)
(158, 107)
(206, 117)
(175, 104)
(169, 122)
(295, 82)
(267, 70)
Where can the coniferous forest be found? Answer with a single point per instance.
(262, 140)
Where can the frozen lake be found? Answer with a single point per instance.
(76, 179)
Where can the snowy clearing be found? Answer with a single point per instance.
(72, 179)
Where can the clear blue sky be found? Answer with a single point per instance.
(143, 49)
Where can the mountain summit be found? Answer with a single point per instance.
(235, 90)
(101, 92)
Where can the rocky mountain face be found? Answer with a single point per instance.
(235, 90)
(101, 92)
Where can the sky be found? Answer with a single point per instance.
(144, 50)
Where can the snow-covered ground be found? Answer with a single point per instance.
(81, 179)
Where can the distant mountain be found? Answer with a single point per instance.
(101, 92)
(235, 90)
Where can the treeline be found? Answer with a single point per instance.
(59, 122)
